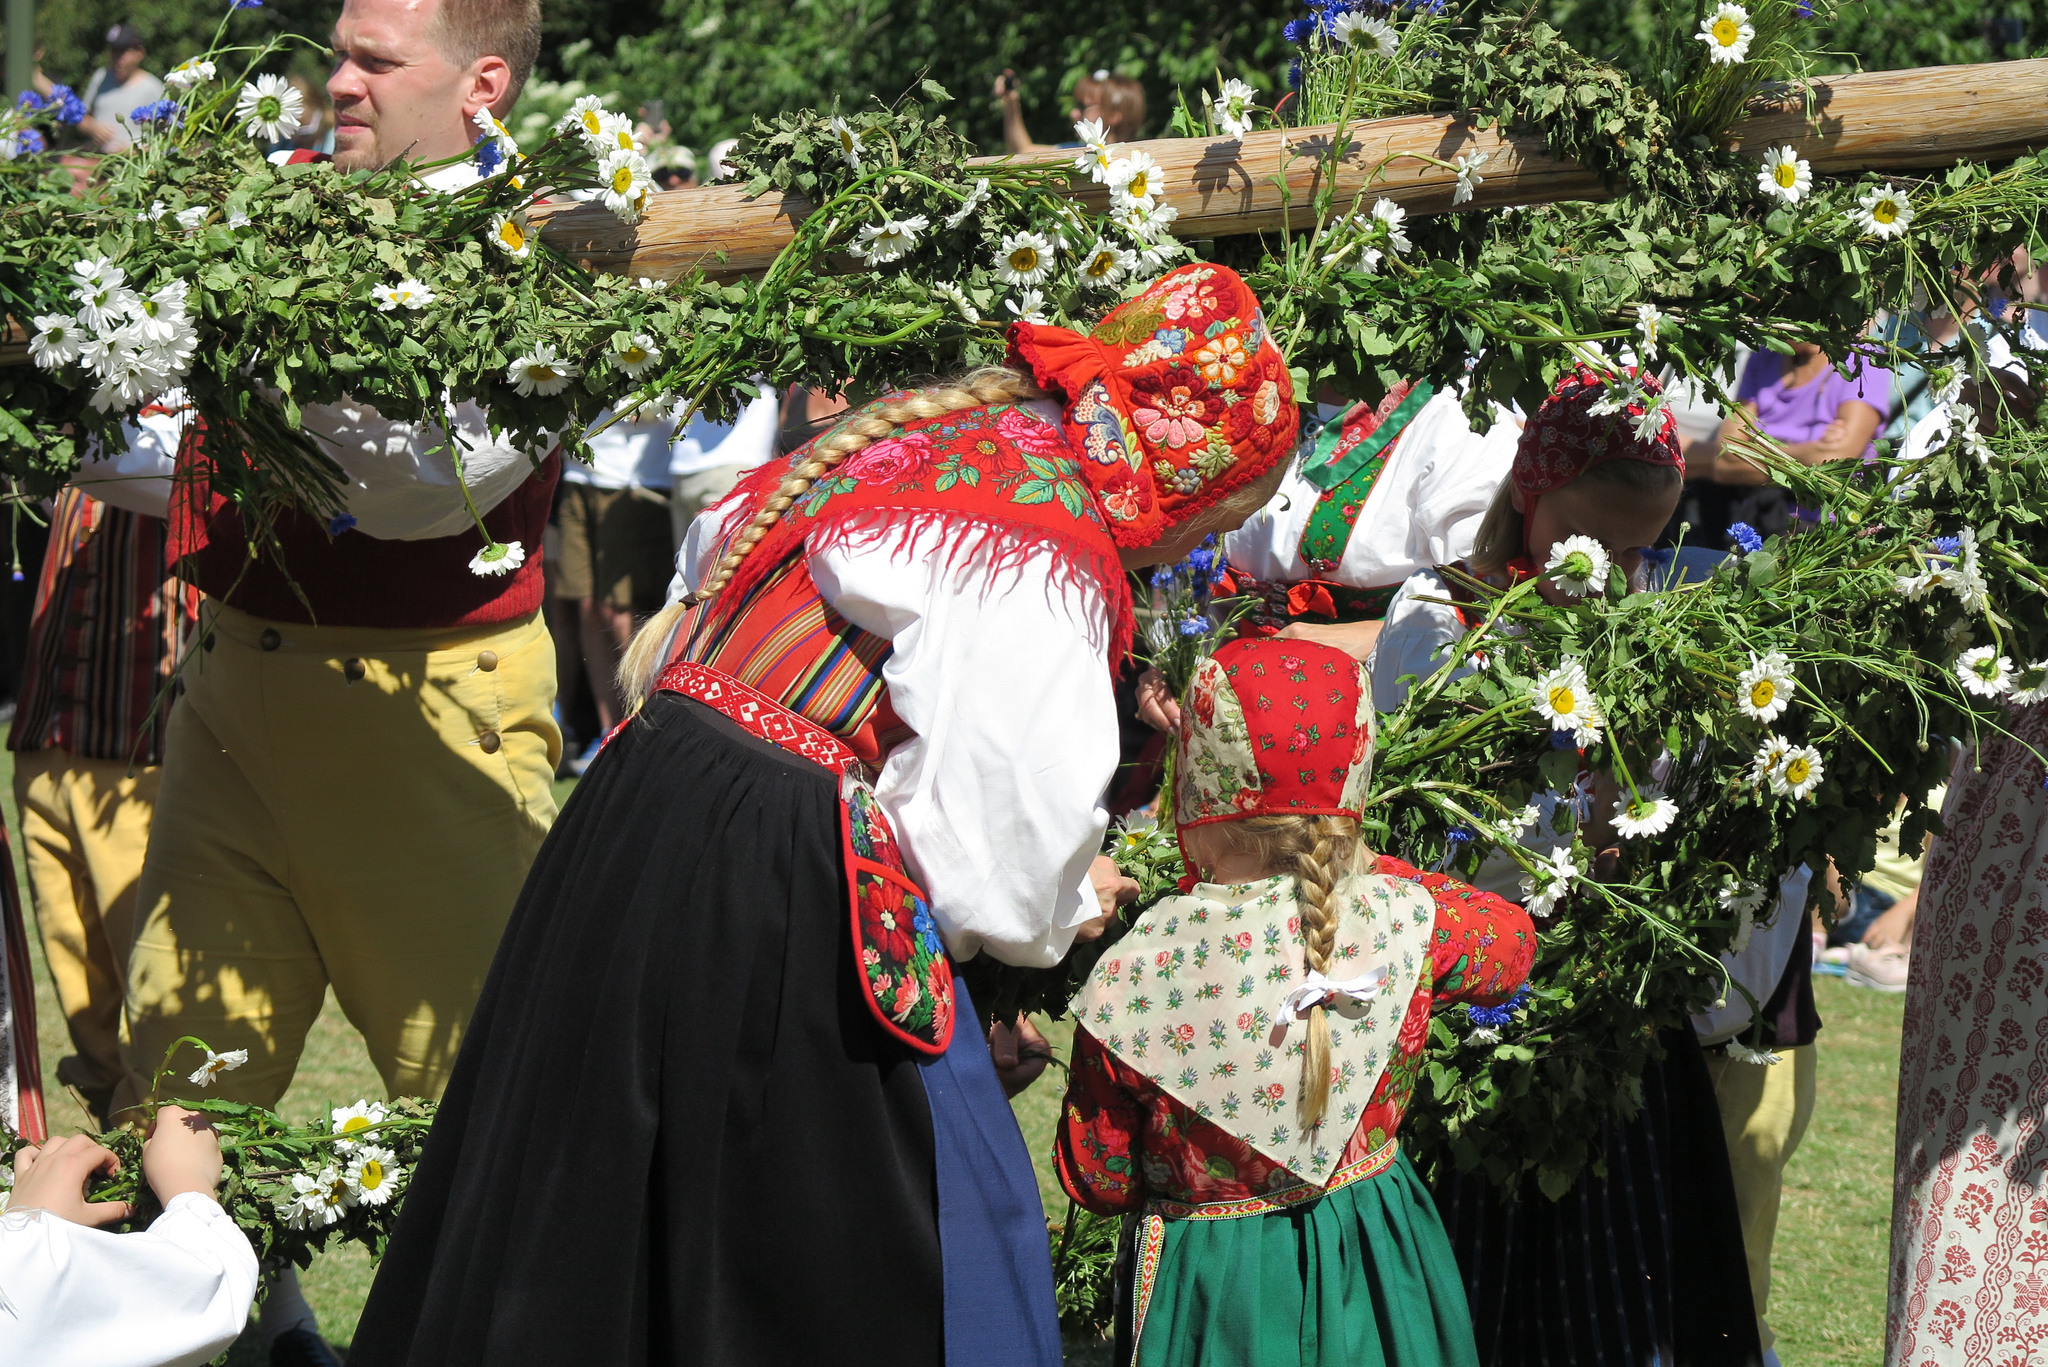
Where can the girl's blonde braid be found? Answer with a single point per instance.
(995, 384)
(1317, 871)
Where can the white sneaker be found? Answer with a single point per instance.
(1881, 970)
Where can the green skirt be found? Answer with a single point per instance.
(1359, 1278)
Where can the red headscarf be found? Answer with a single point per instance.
(1566, 438)
(1273, 728)
(1177, 398)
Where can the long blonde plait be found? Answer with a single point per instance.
(994, 384)
(1319, 851)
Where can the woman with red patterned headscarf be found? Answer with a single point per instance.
(874, 742)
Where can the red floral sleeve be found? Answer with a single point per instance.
(1484, 944)
(1101, 1131)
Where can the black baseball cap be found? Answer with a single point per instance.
(121, 37)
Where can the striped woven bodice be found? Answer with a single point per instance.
(782, 639)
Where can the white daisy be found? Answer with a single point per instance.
(2030, 685)
(325, 1198)
(1648, 319)
(487, 124)
(1768, 760)
(637, 356)
(1564, 698)
(1885, 213)
(890, 240)
(1025, 259)
(1764, 690)
(1146, 222)
(102, 294)
(1106, 264)
(350, 1120)
(1350, 28)
(1962, 429)
(1553, 878)
(586, 117)
(1742, 901)
(1135, 179)
(540, 372)
(1230, 108)
(406, 294)
(512, 235)
(976, 197)
(1392, 219)
(849, 142)
(1741, 1052)
(1647, 424)
(1028, 306)
(1914, 587)
(1964, 578)
(1984, 671)
(1648, 813)
(623, 184)
(614, 134)
(647, 284)
(272, 107)
(159, 316)
(959, 299)
(1799, 773)
(56, 340)
(373, 1176)
(500, 557)
(1785, 174)
(1095, 156)
(1580, 565)
(1469, 179)
(1727, 33)
(216, 1064)
(189, 73)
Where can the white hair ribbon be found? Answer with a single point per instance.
(1316, 989)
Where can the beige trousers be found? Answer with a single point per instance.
(339, 806)
(84, 828)
(1764, 1114)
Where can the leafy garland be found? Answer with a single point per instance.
(293, 286)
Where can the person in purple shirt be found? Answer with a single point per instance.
(1806, 406)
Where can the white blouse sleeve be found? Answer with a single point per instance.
(401, 475)
(997, 799)
(177, 1293)
(1413, 640)
(137, 478)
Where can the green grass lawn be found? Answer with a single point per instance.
(1827, 1303)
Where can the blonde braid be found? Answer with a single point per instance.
(993, 384)
(1316, 872)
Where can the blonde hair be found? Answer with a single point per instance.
(1504, 533)
(466, 30)
(1319, 851)
(1121, 100)
(994, 384)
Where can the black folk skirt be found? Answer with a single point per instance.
(1641, 1268)
(675, 1133)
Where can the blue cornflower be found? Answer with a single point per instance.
(1563, 740)
(340, 523)
(30, 101)
(70, 109)
(1745, 536)
(488, 157)
(247, 4)
(1298, 31)
(1460, 834)
(30, 142)
(1949, 545)
(1493, 1017)
(1294, 74)
(1194, 626)
(158, 111)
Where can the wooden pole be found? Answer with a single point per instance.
(1885, 120)
(1882, 120)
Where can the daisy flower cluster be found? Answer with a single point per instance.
(624, 180)
(1763, 693)
(137, 344)
(363, 1173)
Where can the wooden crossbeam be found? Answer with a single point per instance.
(1884, 120)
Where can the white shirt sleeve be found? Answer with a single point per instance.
(173, 1295)
(1413, 640)
(997, 798)
(1761, 964)
(139, 477)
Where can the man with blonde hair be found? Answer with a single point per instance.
(361, 769)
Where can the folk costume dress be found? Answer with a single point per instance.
(1384, 491)
(1259, 1241)
(1645, 1264)
(725, 1099)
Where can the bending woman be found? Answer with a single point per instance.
(699, 1118)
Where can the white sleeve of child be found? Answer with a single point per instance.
(1420, 625)
(174, 1295)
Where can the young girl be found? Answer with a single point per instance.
(1243, 1056)
(1645, 1263)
